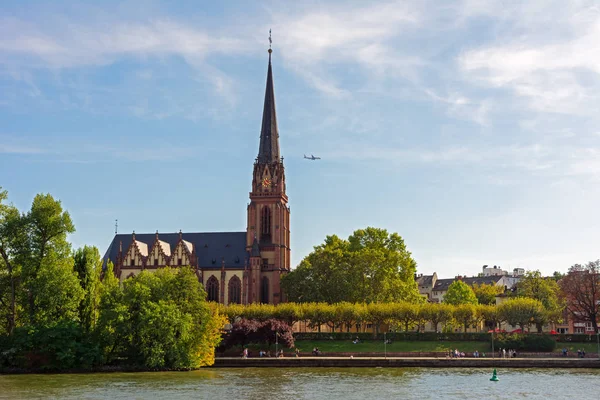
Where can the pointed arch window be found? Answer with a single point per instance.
(212, 289)
(265, 224)
(235, 290)
(264, 290)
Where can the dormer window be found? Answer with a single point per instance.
(179, 261)
(132, 263)
(156, 262)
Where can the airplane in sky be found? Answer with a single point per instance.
(312, 157)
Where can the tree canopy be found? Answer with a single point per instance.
(486, 294)
(372, 265)
(581, 287)
(460, 293)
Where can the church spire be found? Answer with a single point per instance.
(268, 151)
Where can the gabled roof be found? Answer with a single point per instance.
(425, 280)
(165, 247)
(211, 248)
(142, 248)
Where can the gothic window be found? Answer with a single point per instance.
(179, 261)
(235, 290)
(264, 290)
(156, 262)
(132, 262)
(212, 289)
(265, 224)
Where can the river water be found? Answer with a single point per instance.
(309, 383)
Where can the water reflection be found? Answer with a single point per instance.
(307, 383)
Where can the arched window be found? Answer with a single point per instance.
(212, 289)
(235, 291)
(265, 224)
(264, 290)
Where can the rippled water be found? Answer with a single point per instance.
(309, 383)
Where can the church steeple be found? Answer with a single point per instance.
(268, 151)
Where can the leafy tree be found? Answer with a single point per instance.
(437, 313)
(88, 266)
(52, 288)
(465, 314)
(404, 313)
(547, 291)
(490, 314)
(521, 311)
(486, 294)
(13, 240)
(581, 287)
(459, 293)
(159, 320)
(371, 266)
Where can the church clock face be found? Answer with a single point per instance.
(266, 182)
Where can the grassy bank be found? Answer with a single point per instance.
(343, 346)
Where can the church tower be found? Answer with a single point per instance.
(268, 229)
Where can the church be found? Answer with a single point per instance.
(234, 267)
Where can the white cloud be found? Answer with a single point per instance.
(553, 74)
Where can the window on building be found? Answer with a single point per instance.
(179, 261)
(265, 225)
(212, 289)
(264, 290)
(235, 290)
(132, 262)
(156, 262)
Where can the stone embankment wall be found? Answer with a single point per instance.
(408, 362)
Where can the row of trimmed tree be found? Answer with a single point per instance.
(520, 311)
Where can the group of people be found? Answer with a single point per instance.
(459, 354)
(510, 353)
(279, 354)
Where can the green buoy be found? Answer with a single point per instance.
(494, 377)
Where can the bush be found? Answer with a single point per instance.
(60, 347)
(526, 342)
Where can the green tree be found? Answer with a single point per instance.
(465, 314)
(371, 266)
(437, 313)
(521, 311)
(486, 294)
(545, 290)
(88, 266)
(13, 241)
(460, 293)
(52, 288)
(160, 320)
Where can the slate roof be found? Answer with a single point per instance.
(443, 284)
(210, 246)
(268, 151)
(425, 280)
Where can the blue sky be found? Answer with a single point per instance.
(471, 127)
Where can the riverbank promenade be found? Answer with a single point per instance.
(405, 362)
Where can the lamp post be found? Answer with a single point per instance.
(384, 346)
(493, 350)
